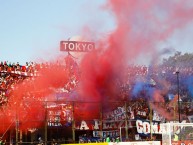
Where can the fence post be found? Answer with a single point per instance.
(73, 123)
(126, 122)
(46, 124)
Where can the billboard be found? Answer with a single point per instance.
(77, 46)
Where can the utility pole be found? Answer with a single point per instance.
(178, 89)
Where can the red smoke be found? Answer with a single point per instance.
(27, 102)
(141, 26)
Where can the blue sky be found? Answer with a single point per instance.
(31, 30)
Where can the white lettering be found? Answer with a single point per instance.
(90, 47)
(84, 47)
(76, 46)
(139, 125)
(65, 45)
(71, 46)
(146, 127)
(155, 128)
(84, 125)
(96, 124)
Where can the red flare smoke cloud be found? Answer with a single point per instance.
(140, 27)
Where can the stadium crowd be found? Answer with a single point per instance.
(14, 73)
(157, 77)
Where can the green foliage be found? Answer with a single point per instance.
(179, 60)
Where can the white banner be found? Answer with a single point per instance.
(144, 127)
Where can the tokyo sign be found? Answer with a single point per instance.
(77, 46)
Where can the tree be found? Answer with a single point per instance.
(179, 60)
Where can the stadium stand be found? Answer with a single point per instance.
(14, 73)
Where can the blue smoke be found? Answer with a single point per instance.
(138, 87)
(143, 89)
(189, 83)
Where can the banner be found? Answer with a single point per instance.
(59, 114)
(96, 124)
(104, 134)
(144, 127)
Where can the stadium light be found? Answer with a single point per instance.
(178, 89)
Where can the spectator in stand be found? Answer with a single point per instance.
(13, 73)
(117, 139)
(108, 138)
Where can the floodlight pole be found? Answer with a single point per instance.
(178, 89)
